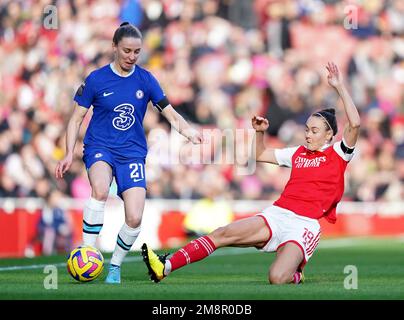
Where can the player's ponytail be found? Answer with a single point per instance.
(126, 30)
(328, 116)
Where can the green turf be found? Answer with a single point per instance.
(230, 273)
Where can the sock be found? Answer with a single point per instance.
(126, 237)
(297, 277)
(194, 251)
(93, 220)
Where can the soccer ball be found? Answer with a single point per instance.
(85, 263)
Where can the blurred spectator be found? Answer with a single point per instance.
(220, 62)
(54, 228)
(209, 212)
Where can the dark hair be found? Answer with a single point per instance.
(126, 30)
(328, 115)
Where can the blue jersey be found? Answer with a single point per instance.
(119, 106)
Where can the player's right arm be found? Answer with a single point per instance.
(262, 153)
(351, 132)
(72, 132)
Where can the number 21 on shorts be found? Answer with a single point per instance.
(137, 171)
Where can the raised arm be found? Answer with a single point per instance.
(183, 127)
(72, 131)
(351, 131)
(262, 153)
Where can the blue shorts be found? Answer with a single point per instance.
(127, 173)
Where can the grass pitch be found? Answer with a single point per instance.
(229, 274)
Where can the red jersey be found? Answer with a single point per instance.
(316, 182)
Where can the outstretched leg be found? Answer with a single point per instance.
(247, 232)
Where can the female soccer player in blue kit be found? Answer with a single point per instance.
(115, 142)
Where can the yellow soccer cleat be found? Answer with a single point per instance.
(154, 263)
(302, 278)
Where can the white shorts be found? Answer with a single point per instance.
(286, 226)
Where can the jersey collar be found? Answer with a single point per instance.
(111, 65)
(319, 150)
(324, 147)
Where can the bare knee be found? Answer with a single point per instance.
(100, 193)
(133, 221)
(279, 277)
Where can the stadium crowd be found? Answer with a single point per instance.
(220, 63)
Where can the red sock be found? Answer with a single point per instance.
(297, 277)
(192, 252)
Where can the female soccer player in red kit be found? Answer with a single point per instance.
(290, 226)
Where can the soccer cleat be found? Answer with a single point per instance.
(302, 279)
(114, 275)
(155, 263)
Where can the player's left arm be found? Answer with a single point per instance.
(351, 131)
(181, 125)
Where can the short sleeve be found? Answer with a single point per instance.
(284, 156)
(156, 93)
(343, 150)
(85, 93)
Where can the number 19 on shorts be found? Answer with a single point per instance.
(137, 171)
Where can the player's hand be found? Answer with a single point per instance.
(194, 136)
(259, 123)
(334, 76)
(63, 166)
